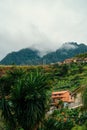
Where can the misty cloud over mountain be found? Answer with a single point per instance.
(46, 24)
(32, 56)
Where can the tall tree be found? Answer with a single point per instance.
(27, 102)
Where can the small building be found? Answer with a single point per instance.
(68, 61)
(85, 60)
(64, 96)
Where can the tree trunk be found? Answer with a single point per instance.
(36, 127)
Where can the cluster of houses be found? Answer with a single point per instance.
(73, 60)
(69, 99)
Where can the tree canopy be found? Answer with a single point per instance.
(26, 104)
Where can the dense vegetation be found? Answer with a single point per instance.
(65, 119)
(26, 96)
(65, 76)
(23, 99)
(32, 57)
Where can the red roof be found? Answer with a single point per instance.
(62, 95)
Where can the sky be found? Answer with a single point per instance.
(41, 24)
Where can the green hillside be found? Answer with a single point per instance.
(61, 77)
(68, 76)
(57, 77)
(75, 76)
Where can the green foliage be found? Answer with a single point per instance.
(9, 79)
(62, 119)
(85, 98)
(77, 127)
(82, 118)
(27, 102)
(66, 119)
(81, 55)
(75, 77)
(26, 86)
(63, 70)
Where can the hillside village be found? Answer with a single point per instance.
(67, 79)
(73, 60)
(71, 99)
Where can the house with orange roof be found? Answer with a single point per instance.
(64, 96)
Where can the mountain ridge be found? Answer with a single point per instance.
(28, 56)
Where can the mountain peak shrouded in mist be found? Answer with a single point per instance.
(69, 45)
(34, 56)
(44, 48)
(49, 23)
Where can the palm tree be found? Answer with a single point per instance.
(27, 102)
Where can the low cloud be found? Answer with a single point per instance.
(41, 24)
(69, 46)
